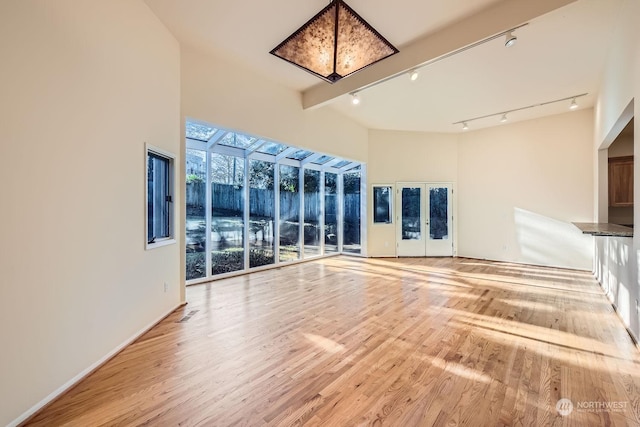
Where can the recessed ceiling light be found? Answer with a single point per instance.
(414, 75)
(354, 99)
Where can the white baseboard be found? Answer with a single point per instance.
(86, 372)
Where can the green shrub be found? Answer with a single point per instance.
(260, 257)
(196, 265)
(226, 261)
(192, 178)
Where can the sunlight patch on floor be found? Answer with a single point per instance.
(460, 370)
(323, 343)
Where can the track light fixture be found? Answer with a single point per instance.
(573, 105)
(510, 39)
(503, 114)
(414, 73)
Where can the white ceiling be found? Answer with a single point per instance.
(558, 55)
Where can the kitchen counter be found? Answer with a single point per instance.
(604, 229)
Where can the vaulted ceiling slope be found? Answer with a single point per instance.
(560, 53)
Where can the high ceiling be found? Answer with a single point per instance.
(559, 54)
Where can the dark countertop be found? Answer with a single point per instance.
(604, 229)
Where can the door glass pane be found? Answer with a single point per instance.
(311, 213)
(438, 215)
(411, 214)
(196, 221)
(289, 213)
(227, 216)
(261, 213)
(330, 212)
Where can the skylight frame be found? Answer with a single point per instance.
(199, 132)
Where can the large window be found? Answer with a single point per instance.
(159, 197)
(289, 213)
(252, 203)
(261, 213)
(196, 225)
(352, 212)
(227, 213)
(311, 213)
(330, 212)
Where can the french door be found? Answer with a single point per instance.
(424, 219)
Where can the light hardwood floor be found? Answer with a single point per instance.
(350, 341)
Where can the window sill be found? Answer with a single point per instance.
(159, 244)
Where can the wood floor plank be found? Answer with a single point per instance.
(351, 342)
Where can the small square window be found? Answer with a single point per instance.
(159, 186)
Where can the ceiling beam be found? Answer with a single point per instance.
(493, 20)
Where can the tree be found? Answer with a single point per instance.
(289, 178)
(227, 170)
(261, 174)
(311, 181)
(351, 182)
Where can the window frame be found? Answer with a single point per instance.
(149, 151)
(279, 159)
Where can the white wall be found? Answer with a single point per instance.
(617, 102)
(521, 186)
(518, 187)
(222, 92)
(613, 261)
(617, 85)
(84, 85)
(405, 157)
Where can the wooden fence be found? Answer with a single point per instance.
(228, 198)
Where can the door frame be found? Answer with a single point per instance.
(454, 210)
